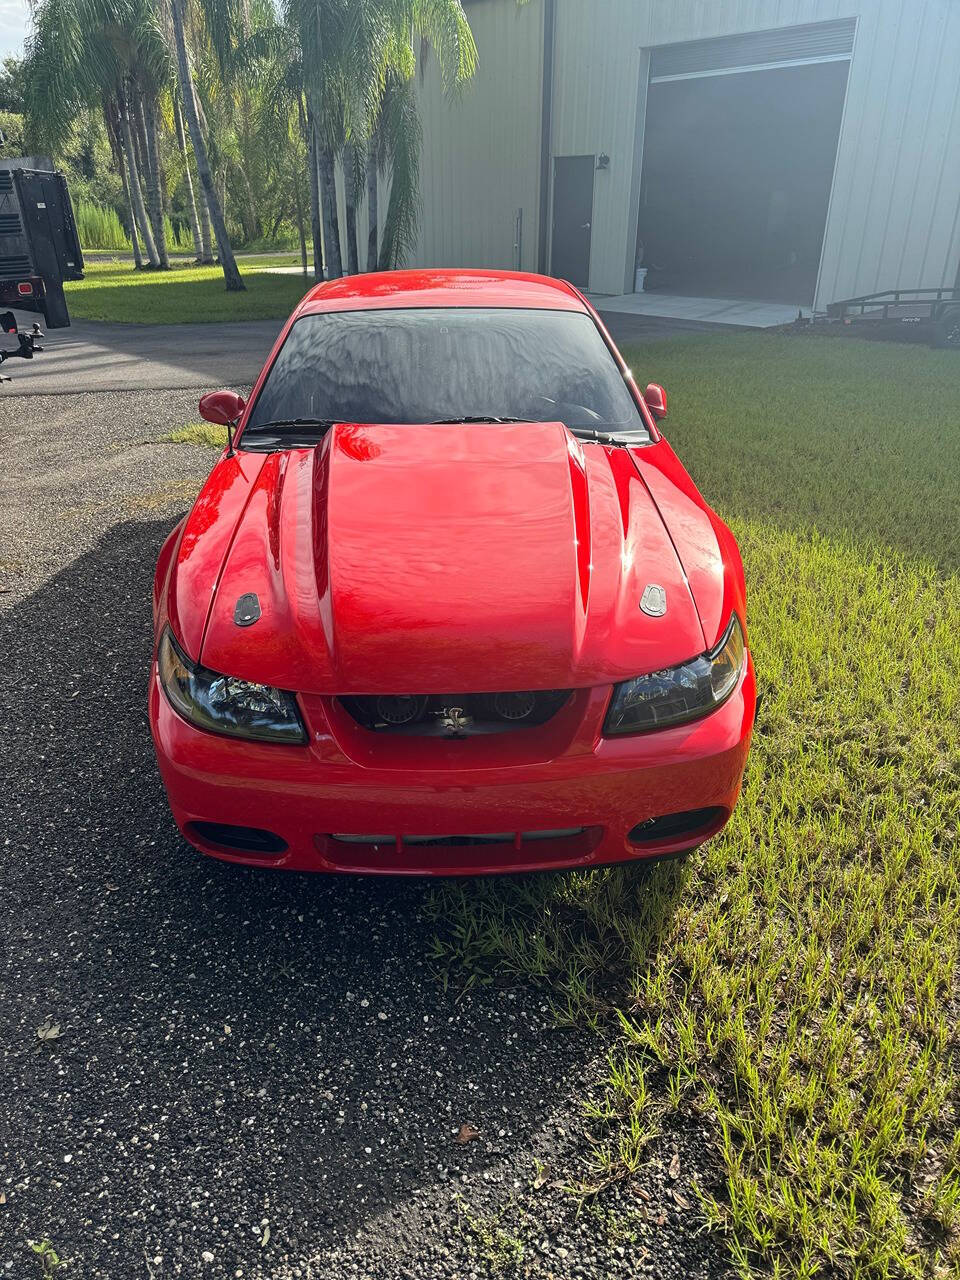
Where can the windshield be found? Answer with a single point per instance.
(445, 363)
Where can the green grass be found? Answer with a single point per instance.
(114, 291)
(205, 433)
(794, 986)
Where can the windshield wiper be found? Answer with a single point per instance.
(483, 417)
(284, 424)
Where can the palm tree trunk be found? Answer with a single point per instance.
(136, 194)
(191, 200)
(154, 194)
(350, 206)
(134, 237)
(372, 210)
(331, 220)
(251, 223)
(298, 207)
(228, 262)
(206, 229)
(313, 162)
(143, 157)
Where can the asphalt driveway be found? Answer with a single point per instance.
(89, 357)
(219, 1072)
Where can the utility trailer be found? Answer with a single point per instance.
(934, 313)
(39, 244)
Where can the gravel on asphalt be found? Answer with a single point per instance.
(243, 1074)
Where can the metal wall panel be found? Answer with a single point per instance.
(481, 151)
(893, 217)
(757, 48)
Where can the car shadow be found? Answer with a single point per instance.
(232, 1045)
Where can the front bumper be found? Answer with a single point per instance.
(425, 800)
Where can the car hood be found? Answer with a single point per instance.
(444, 558)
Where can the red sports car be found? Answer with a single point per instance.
(448, 602)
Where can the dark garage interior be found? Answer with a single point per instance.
(736, 179)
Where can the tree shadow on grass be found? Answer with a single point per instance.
(235, 1044)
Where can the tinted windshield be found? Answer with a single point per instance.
(435, 364)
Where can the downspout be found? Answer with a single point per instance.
(546, 128)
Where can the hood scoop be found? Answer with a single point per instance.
(450, 558)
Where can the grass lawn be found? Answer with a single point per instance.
(114, 291)
(792, 989)
(209, 434)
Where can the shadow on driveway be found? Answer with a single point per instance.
(89, 356)
(235, 1046)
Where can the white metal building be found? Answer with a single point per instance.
(800, 151)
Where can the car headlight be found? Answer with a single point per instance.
(223, 704)
(679, 693)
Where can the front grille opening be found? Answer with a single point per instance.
(501, 837)
(240, 839)
(675, 826)
(455, 715)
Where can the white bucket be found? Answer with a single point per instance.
(639, 279)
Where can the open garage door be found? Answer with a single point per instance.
(739, 153)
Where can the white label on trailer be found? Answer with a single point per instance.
(41, 205)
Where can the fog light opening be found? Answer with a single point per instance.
(254, 840)
(670, 827)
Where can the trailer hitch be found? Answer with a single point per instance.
(27, 343)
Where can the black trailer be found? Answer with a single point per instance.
(39, 244)
(934, 314)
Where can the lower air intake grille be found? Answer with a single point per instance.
(455, 715)
(446, 842)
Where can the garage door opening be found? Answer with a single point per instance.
(737, 172)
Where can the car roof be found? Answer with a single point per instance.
(441, 287)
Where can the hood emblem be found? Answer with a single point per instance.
(247, 611)
(653, 602)
(455, 721)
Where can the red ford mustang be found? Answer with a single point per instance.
(449, 603)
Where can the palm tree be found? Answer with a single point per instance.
(394, 133)
(399, 137)
(228, 262)
(198, 246)
(357, 60)
(95, 53)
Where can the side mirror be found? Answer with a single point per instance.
(656, 400)
(222, 407)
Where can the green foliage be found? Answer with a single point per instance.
(259, 71)
(50, 1261)
(795, 984)
(11, 84)
(101, 228)
(87, 162)
(11, 127)
(500, 1250)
